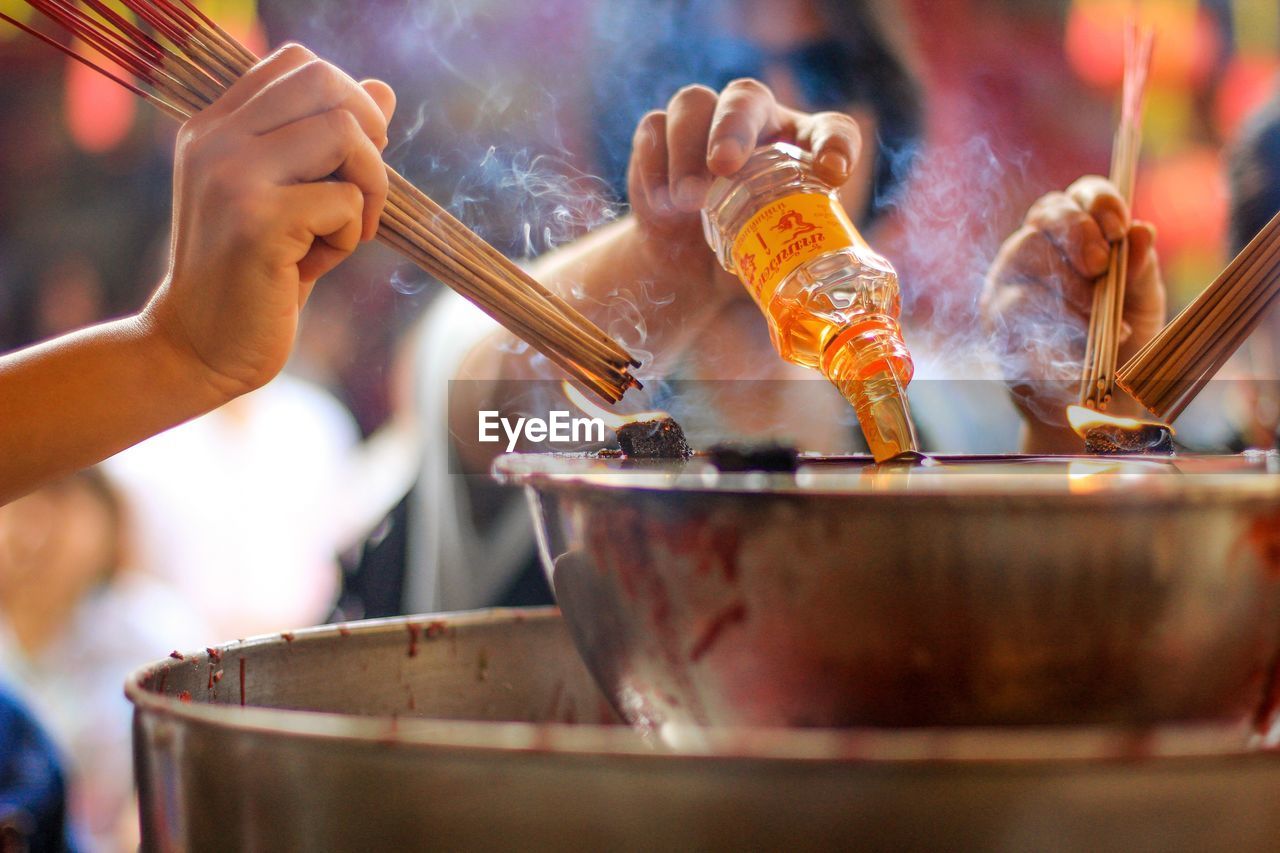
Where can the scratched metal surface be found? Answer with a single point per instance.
(988, 591)
(485, 760)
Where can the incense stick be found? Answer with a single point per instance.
(1168, 373)
(1102, 345)
(185, 63)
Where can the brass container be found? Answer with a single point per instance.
(484, 731)
(979, 592)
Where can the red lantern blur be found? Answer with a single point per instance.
(1246, 84)
(1185, 196)
(1187, 41)
(98, 112)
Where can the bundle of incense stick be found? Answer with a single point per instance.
(183, 61)
(1168, 373)
(1098, 373)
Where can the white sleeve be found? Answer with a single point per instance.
(450, 565)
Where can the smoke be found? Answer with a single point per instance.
(554, 201)
(964, 200)
(409, 281)
(498, 123)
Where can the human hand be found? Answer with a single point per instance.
(257, 219)
(701, 135)
(1039, 293)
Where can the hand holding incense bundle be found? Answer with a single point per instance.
(1097, 380)
(186, 61)
(1168, 373)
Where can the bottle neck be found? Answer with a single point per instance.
(869, 364)
(869, 345)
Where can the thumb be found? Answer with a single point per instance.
(1142, 256)
(1144, 298)
(385, 97)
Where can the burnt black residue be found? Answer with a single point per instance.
(660, 438)
(1145, 440)
(770, 458)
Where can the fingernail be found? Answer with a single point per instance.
(726, 151)
(691, 192)
(660, 199)
(1112, 225)
(834, 163)
(1097, 257)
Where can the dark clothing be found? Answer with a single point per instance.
(32, 790)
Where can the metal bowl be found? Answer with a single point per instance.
(485, 731)
(993, 591)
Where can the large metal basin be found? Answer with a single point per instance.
(981, 592)
(349, 742)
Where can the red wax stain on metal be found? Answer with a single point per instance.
(1264, 536)
(724, 544)
(627, 549)
(344, 631)
(436, 628)
(541, 741)
(210, 685)
(215, 656)
(1137, 745)
(287, 636)
(556, 694)
(1269, 707)
(176, 655)
(731, 615)
(184, 696)
(217, 676)
(241, 682)
(714, 546)
(415, 631)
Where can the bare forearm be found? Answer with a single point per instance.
(624, 272)
(623, 253)
(75, 400)
(675, 287)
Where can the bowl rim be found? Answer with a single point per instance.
(1107, 481)
(1049, 746)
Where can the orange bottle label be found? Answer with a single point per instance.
(784, 234)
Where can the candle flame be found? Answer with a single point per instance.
(1083, 419)
(613, 420)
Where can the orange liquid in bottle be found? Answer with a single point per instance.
(830, 301)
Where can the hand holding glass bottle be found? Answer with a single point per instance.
(702, 135)
(830, 301)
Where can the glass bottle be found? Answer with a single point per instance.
(831, 302)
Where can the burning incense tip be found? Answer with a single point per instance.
(1108, 435)
(644, 435)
